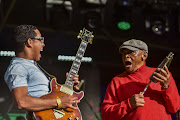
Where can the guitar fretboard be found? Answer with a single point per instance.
(76, 64)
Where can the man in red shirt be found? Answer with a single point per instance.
(123, 99)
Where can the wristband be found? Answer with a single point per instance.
(58, 102)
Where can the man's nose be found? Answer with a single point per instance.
(43, 44)
(127, 55)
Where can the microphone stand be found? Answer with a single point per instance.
(5, 114)
(91, 108)
(87, 102)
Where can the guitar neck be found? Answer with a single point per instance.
(76, 64)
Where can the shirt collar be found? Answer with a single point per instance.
(142, 68)
(17, 59)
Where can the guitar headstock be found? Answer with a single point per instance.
(86, 36)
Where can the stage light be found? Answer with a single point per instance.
(124, 25)
(97, 1)
(72, 58)
(93, 18)
(64, 10)
(125, 3)
(159, 27)
(7, 53)
(123, 15)
(67, 4)
(92, 23)
(157, 24)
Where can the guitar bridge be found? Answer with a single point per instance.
(66, 90)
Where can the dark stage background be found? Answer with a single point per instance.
(60, 27)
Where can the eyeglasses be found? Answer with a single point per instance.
(40, 39)
(132, 53)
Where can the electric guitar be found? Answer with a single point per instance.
(58, 90)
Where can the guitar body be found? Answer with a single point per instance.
(59, 114)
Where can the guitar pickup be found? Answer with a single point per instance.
(66, 90)
(58, 114)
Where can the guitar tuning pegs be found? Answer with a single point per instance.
(81, 31)
(78, 36)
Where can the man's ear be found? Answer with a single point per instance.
(29, 42)
(144, 56)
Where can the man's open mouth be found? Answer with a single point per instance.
(128, 64)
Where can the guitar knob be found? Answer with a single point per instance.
(76, 118)
(69, 118)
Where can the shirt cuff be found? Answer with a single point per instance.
(167, 92)
(127, 106)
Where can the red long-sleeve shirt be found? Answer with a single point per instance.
(158, 103)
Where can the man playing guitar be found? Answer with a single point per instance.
(26, 81)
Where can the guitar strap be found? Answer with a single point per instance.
(51, 76)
